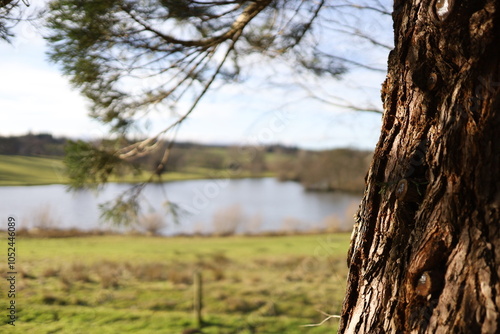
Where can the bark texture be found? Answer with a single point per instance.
(425, 252)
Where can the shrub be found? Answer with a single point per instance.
(226, 221)
(43, 218)
(152, 223)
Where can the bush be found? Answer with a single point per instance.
(152, 223)
(43, 218)
(226, 221)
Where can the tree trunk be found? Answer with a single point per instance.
(425, 252)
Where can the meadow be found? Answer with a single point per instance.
(21, 170)
(140, 284)
(26, 171)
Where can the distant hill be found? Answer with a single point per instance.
(328, 170)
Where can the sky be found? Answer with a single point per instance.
(35, 97)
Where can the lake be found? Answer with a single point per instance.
(221, 205)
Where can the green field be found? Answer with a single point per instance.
(19, 170)
(137, 284)
(23, 171)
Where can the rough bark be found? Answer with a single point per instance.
(425, 253)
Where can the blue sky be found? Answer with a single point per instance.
(35, 97)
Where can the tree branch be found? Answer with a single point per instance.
(328, 317)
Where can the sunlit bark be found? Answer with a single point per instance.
(425, 254)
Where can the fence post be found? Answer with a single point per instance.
(198, 298)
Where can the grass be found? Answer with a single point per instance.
(138, 284)
(20, 170)
(24, 171)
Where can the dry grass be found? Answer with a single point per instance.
(253, 224)
(243, 305)
(61, 233)
(109, 274)
(268, 281)
(43, 219)
(152, 223)
(215, 263)
(227, 221)
(349, 215)
(51, 272)
(76, 272)
(332, 223)
(291, 225)
(180, 276)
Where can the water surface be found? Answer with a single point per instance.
(246, 205)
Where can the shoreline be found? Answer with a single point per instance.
(56, 233)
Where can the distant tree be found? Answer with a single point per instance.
(41, 144)
(9, 145)
(338, 169)
(258, 162)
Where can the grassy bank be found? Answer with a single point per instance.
(19, 170)
(23, 171)
(135, 284)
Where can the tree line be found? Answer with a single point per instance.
(43, 144)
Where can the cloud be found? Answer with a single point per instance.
(39, 99)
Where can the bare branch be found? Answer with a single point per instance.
(328, 317)
(345, 105)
